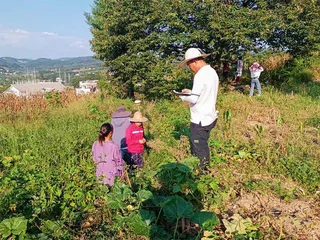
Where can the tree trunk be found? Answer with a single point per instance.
(130, 90)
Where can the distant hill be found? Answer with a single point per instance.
(14, 64)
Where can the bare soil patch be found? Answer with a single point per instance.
(297, 219)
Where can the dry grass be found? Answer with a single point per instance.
(316, 73)
(298, 218)
(283, 119)
(276, 62)
(31, 108)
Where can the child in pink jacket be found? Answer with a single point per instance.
(135, 140)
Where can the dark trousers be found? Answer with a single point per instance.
(136, 160)
(199, 142)
(125, 155)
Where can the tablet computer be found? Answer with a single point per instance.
(184, 94)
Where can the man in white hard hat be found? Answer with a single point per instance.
(202, 99)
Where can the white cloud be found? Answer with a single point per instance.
(49, 33)
(9, 36)
(78, 44)
(21, 43)
(21, 31)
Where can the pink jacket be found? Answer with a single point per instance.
(133, 135)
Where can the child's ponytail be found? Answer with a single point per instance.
(105, 129)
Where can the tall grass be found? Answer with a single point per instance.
(288, 126)
(47, 174)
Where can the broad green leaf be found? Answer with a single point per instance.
(183, 168)
(22, 236)
(207, 220)
(19, 225)
(126, 193)
(158, 233)
(120, 220)
(52, 228)
(115, 201)
(176, 208)
(238, 225)
(161, 200)
(121, 190)
(13, 226)
(5, 230)
(7, 223)
(230, 227)
(170, 166)
(138, 225)
(144, 195)
(147, 216)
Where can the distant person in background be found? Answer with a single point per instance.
(225, 71)
(255, 70)
(202, 101)
(121, 121)
(135, 140)
(106, 155)
(238, 73)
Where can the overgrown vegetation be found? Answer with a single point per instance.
(48, 187)
(264, 177)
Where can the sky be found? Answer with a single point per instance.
(44, 28)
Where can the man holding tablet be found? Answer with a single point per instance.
(202, 99)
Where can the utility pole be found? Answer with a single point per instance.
(65, 77)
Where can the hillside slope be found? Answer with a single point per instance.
(13, 64)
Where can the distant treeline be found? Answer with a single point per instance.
(13, 64)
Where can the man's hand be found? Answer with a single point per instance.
(186, 90)
(142, 141)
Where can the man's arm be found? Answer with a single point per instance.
(191, 99)
(196, 91)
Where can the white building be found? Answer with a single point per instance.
(87, 86)
(28, 89)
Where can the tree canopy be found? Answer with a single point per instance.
(141, 41)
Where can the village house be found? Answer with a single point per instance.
(29, 89)
(88, 86)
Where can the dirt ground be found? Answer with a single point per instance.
(295, 219)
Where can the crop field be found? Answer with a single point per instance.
(263, 181)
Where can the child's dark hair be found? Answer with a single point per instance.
(105, 129)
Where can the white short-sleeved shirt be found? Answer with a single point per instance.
(203, 106)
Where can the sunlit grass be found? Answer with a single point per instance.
(268, 144)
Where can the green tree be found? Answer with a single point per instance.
(142, 41)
